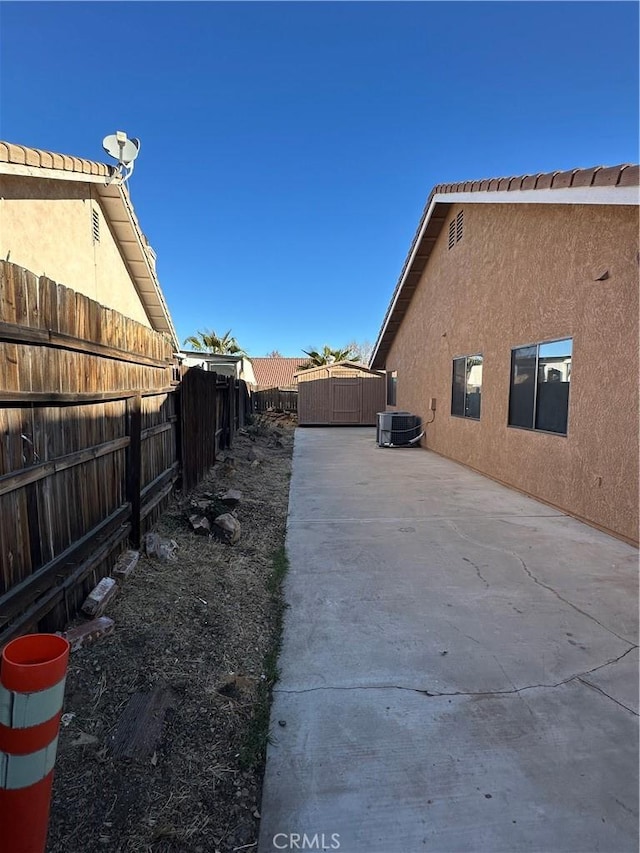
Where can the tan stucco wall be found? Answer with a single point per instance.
(523, 274)
(47, 227)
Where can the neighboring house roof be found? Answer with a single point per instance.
(598, 185)
(138, 255)
(276, 372)
(328, 368)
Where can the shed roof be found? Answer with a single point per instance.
(327, 368)
(118, 209)
(597, 185)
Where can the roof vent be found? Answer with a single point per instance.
(455, 229)
(95, 224)
(452, 233)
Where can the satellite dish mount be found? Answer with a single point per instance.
(124, 150)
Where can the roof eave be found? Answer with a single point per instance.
(24, 170)
(136, 257)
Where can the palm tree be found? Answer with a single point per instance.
(326, 356)
(208, 341)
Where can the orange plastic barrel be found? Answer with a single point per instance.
(32, 675)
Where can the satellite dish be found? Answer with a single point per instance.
(124, 150)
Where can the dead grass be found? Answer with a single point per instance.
(205, 627)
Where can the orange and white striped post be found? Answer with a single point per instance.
(33, 670)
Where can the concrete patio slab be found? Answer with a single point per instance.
(459, 669)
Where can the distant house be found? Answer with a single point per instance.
(73, 221)
(276, 372)
(239, 366)
(513, 333)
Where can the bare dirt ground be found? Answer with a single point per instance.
(194, 649)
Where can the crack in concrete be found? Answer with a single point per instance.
(604, 693)
(579, 676)
(478, 572)
(536, 580)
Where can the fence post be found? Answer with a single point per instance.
(178, 410)
(134, 464)
(232, 414)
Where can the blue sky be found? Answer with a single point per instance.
(288, 148)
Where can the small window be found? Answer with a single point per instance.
(466, 387)
(95, 221)
(539, 392)
(392, 384)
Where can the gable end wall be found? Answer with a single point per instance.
(46, 226)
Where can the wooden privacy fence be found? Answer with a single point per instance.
(93, 428)
(275, 398)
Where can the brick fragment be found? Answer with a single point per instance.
(98, 599)
(89, 632)
(200, 524)
(125, 565)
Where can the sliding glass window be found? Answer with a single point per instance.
(466, 386)
(539, 393)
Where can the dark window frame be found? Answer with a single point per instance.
(459, 398)
(530, 409)
(392, 387)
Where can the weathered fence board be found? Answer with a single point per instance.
(274, 399)
(205, 416)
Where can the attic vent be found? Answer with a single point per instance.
(95, 220)
(455, 229)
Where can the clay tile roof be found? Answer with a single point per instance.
(629, 176)
(585, 177)
(545, 182)
(276, 372)
(624, 175)
(607, 176)
(23, 156)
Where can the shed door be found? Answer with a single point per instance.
(346, 400)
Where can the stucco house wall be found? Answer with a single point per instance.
(524, 274)
(47, 227)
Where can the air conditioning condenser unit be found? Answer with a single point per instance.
(398, 429)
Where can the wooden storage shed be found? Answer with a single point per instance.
(340, 394)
